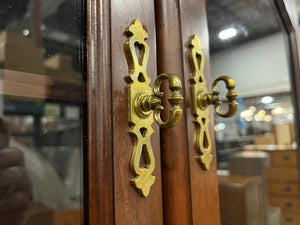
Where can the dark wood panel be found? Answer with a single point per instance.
(100, 152)
(21, 84)
(130, 207)
(175, 158)
(204, 184)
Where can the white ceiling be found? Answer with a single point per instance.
(298, 6)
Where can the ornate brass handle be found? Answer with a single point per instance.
(205, 100)
(142, 103)
(201, 100)
(174, 99)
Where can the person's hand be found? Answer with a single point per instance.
(15, 184)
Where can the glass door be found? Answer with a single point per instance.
(42, 112)
(257, 148)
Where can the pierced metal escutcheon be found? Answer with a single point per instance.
(143, 102)
(201, 100)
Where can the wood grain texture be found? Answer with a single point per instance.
(204, 184)
(284, 202)
(290, 216)
(281, 188)
(100, 152)
(175, 158)
(283, 158)
(282, 174)
(130, 207)
(16, 83)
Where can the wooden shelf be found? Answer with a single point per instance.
(15, 83)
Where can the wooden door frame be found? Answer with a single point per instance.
(100, 204)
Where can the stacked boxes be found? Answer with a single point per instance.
(20, 53)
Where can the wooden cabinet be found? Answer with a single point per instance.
(241, 200)
(90, 39)
(283, 184)
(183, 193)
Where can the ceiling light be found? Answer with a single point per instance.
(249, 118)
(26, 32)
(228, 33)
(217, 128)
(221, 126)
(258, 117)
(290, 116)
(262, 112)
(277, 111)
(268, 118)
(267, 99)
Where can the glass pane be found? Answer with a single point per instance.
(42, 108)
(256, 149)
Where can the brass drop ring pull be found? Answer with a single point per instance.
(174, 99)
(213, 99)
(144, 103)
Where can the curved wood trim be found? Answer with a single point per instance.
(100, 155)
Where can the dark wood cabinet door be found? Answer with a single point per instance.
(112, 198)
(190, 193)
(183, 193)
(204, 183)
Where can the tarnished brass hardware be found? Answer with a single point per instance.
(205, 100)
(174, 99)
(201, 100)
(142, 102)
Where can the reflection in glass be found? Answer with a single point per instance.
(256, 154)
(41, 112)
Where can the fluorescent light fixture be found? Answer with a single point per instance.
(267, 99)
(228, 33)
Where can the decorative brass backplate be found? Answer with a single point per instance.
(142, 103)
(201, 100)
(201, 120)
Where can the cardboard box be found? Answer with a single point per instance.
(69, 217)
(283, 134)
(39, 214)
(267, 139)
(60, 65)
(20, 53)
(241, 200)
(252, 163)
